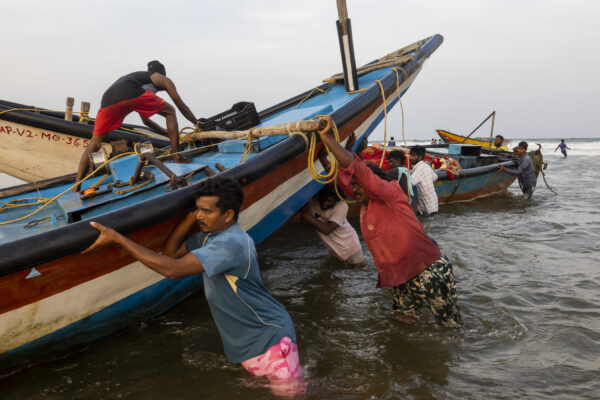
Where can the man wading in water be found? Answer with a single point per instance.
(405, 257)
(255, 329)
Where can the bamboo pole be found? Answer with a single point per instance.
(478, 126)
(273, 130)
(343, 15)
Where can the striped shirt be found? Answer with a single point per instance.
(422, 176)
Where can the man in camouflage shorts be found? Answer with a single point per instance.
(433, 288)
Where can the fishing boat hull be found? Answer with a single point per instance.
(42, 145)
(57, 299)
(472, 183)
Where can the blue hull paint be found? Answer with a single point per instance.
(147, 303)
(472, 187)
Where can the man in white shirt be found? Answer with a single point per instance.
(422, 176)
(328, 214)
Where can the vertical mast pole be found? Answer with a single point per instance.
(346, 47)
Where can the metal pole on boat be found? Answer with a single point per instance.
(85, 112)
(493, 114)
(69, 110)
(346, 47)
(492, 131)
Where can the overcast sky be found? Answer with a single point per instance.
(534, 62)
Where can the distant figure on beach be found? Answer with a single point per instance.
(328, 215)
(434, 141)
(563, 147)
(498, 143)
(136, 92)
(255, 329)
(398, 171)
(406, 258)
(392, 142)
(422, 177)
(525, 170)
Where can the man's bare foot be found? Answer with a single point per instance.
(181, 160)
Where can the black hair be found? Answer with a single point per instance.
(156, 66)
(397, 155)
(418, 150)
(523, 144)
(227, 190)
(379, 172)
(326, 192)
(500, 136)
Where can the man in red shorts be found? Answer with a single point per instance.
(136, 92)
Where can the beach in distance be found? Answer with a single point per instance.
(528, 283)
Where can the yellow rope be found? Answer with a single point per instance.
(384, 123)
(310, 94)
(248, 146)
(331, 176)
(52, 199)
(356, 91)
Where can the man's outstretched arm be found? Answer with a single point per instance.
(169, 267)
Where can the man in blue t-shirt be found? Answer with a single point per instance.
(256, 330)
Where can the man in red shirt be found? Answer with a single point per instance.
(405, 257)
(136, 92)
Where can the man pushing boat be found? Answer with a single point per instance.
(136, 92)
(405, 257)
(255, 329)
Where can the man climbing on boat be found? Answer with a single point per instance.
(405, 257)
(136, 92)
(328, 215)
(255, 329)
(525, 170)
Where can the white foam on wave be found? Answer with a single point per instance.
(579, 146)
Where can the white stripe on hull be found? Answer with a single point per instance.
(30, 322)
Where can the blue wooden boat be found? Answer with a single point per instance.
(54, 298)
(479, 178)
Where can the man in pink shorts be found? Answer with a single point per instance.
(256, 330)
(136, 92)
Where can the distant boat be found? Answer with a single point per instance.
(479, 178)
(54, 298)
(39, 144)
(485, 143)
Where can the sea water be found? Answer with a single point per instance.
(528, 283)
